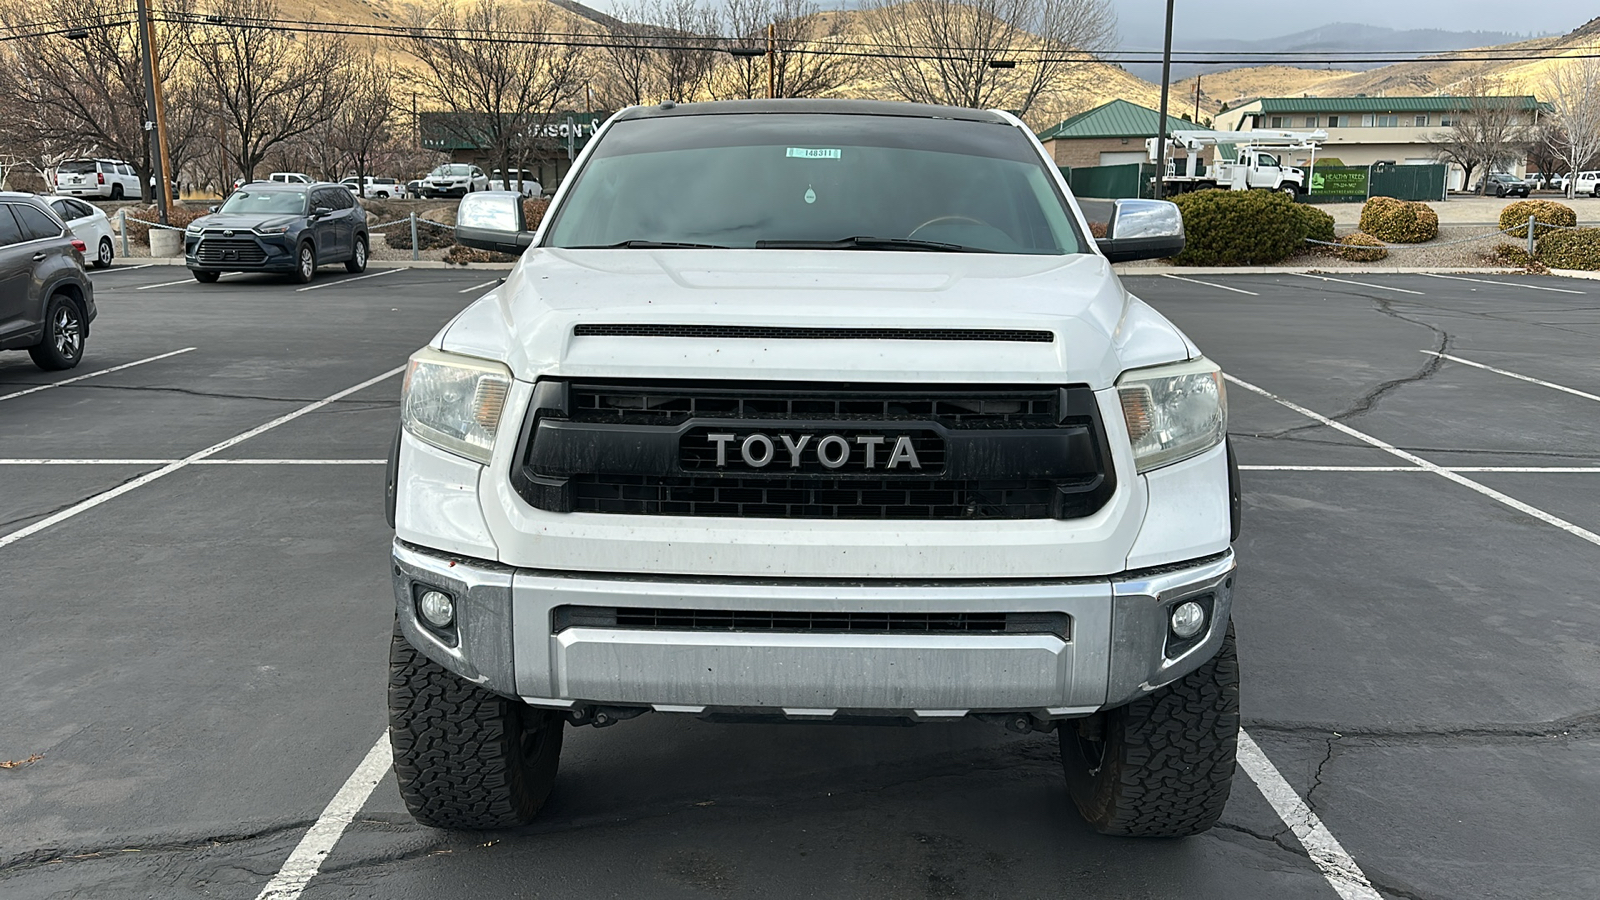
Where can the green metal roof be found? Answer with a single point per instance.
(1118, 118)
(1390, 104)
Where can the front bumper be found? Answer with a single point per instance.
(515, 634)
(242, 251)
(449, 190)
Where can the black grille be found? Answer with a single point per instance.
(648, 405)
(812, 498)
(1002, 452)
(762, 332)
(230, 250)
(792, 622)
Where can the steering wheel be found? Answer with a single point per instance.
(940, 219)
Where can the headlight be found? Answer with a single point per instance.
(195, 228)
(272, 229)
(1174, 411)
(454, 402)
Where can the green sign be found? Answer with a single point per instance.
(1344, 181)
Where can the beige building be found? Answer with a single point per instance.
(1365, 130)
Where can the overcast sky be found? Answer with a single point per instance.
(1141, 21)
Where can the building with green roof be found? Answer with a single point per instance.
(1365, 130)
(1110, 134)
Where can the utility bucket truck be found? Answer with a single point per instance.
(1257, 162)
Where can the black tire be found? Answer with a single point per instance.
(305, 267)
(1290, 191)
(357, 263)
(61, 345)
(116, 192)
(1161, 766)
(205, 277)
(104, 254)
(464, 757)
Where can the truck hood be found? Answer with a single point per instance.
(1097, 329)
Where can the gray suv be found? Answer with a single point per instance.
(46, 300)
(270, 227)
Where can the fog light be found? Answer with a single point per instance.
(440, 611)
(1187, 619)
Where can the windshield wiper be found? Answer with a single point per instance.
(649, 245)
(868, 242)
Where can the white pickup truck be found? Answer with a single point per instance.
(762, 427)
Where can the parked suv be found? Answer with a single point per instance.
(46, 299)
(454, 180)
(271, 227)
(1501, 184)
(523, 180)
(110, 179)
(761, 428)
(380, 188)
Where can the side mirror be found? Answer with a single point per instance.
(1142, 229)
(321, 211)
(492, 220)
(213, 208)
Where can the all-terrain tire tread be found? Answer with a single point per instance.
(1169, 756)
(456, 747)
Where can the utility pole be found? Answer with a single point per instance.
(1161, 122)
(772, 74)
(1196, 102)
(155, 120)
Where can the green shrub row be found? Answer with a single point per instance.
(1359, 247)
(1240, 228)
(1579, 249)
(1547, 212)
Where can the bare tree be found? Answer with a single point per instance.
(984, 53)
(1573, 89)
(630, 71)
(269, 86)
(365, 120)
(86, 94)
(801, 64)
(494, 93)
(1491, 131)
(686, 31)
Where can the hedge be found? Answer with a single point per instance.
(1358, 247)
(139, 233)
(1578, 249)
(1399, 221)
(1236, 228)
(434, 237)
(1548, 212)
(1319, 225)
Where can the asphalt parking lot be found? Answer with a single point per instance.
(193, 554)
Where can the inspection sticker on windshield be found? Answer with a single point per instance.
(803, 153)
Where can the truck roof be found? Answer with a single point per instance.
(811, 107)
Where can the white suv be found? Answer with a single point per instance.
(109, 179)
(761, 428)
(525, 181)
(1586, 183)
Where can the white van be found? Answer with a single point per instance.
(111, 179)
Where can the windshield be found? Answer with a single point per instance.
(266, 203)
(783, 181)
(78, 167)
(453, 170)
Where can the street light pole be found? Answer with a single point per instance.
(1161, 122)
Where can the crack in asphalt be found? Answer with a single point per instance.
(143, 470)
(1316, 777)
(1369, 400)
(1579, 726)
(55, 856)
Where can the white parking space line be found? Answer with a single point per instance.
(314, 287)
(85, 462)
(1509, 374)
(1458, 478)
(189, 280)
(1337, 866)
(1209, 284)
(306, 860)
(115, 269)
(56, 384)
(57, 461)
(1381, 287)
(164, 471)
(1507, 470)
(477, 286)
(1515, 284)
(292, 462)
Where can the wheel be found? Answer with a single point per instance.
(305, 264)
(104, 255)
(116, 192)
(1289, 191)
(465, 757)
(383, 195)
(205, 277)
(357, 262)
(61, 345)
(1499, 192)
(1161, 766)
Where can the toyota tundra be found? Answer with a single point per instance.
(815, 411)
